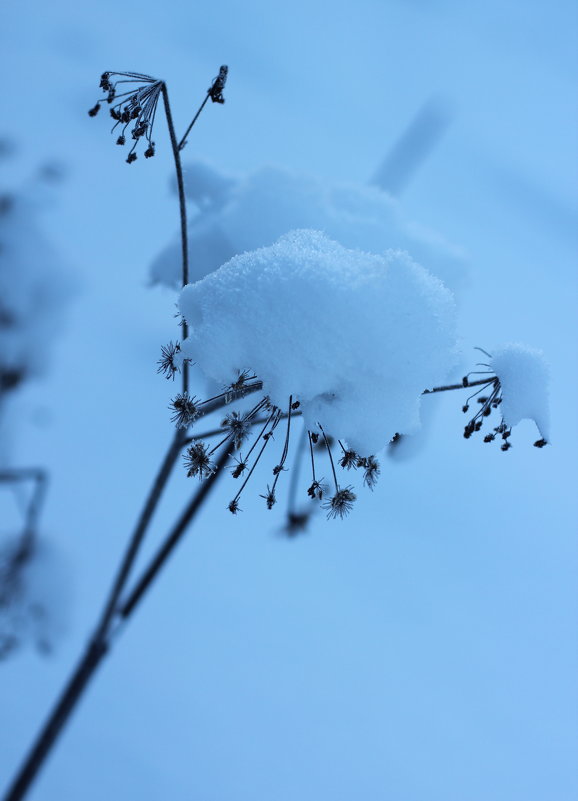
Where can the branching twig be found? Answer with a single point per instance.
(97, 648)
(142, 525)
(156, 564)
(464, 385)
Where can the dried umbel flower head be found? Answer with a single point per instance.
(341, 503)
(198, 461)
(239, 428)
(185, 410)
(168, 363)
(256, 428)
(215, 91)
(133, 100)
(517, 386)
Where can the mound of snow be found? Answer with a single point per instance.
(524, 378)
(354, 336)
(237, 216)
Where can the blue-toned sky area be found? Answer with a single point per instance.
(424, 649)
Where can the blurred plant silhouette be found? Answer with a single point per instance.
(34, 292)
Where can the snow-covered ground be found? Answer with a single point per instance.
(423, 648)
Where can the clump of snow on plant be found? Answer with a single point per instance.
(33, 292)
(355, 337)
(524, 378)
(234, 216)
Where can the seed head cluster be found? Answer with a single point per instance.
(254, 431)
(486, 404)
(185, 410)
(340, 504)
(167, 364)
(198, 461)
(133, 100)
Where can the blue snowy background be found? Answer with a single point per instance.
(424, 648)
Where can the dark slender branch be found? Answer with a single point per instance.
(58, 717)
(151, 572)
(180, 186)
(227, 398)
(476, 383)
(141, 527)
(97, 648)
(183, 216)
(215, 92)
(328, 448)
(183, 141)
(254, 421)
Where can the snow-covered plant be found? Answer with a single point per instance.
(334, 332)
(346, 338)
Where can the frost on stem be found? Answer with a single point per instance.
(133, 100)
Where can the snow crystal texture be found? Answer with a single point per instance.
(524, 378)
(355, 337)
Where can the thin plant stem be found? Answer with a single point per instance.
(55, 722)
(448, 387)
(182, 214)
(140, 530)
(228, 397)
(221, 401)
(254, 421)
(328, 447)
(183, 141)
(157, 562)
(98, 647)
